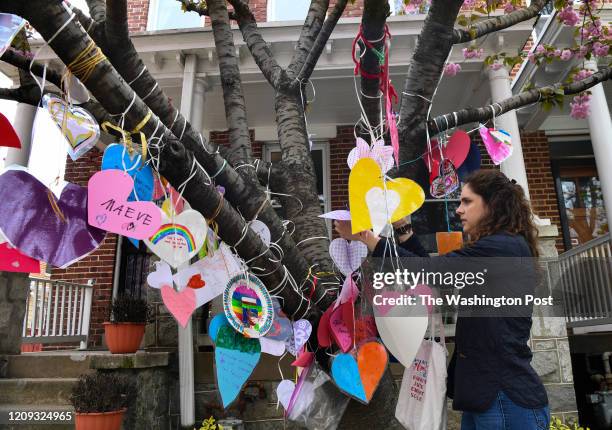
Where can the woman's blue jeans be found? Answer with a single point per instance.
(504, 414)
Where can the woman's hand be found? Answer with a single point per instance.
(344, 229)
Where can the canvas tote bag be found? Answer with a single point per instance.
(422, 399)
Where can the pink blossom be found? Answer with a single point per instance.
(582, 74)
(496, 66)
(582, 51)
(540, 50)
(600, 50)
(566, 54)
(531, 57)
(568, 16)
(509, 7)
(472, 52)
(580, 106)
(451, 69)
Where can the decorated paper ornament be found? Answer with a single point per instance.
(497, 142)
(446, 183)
(216, 269)
(10, 25)
(348, 257)
(281, 329)
(42, 226)
(383, 155)
(235, 358)
(118, 157)
(77, 125)
(370, 197)
(248, 306)
(300, 335)
(109, 209)
(359, 375)
(8, 137)
(11, 260)
(180, 304)
(456, 150)
(179, 238)
(215, 324)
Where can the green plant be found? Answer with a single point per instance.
(557, 424)
(130, 309)
(102, 392)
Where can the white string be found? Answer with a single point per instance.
(311, 238)
(417, 95)
(144, 67)
(151, 92)
(220, 170)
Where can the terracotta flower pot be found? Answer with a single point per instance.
(123, 338)
(99, 420)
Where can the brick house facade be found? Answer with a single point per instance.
(100, 265)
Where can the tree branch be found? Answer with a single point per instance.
(263, 56)
(200, 9)
(310, 32)
(116, 24)
(21, 61)
(500, 22)
(483, 114)
(310, 61)
(97, 10)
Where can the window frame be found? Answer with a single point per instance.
(153, 14)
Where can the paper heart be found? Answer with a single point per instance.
(281, 329)
(401, 333)
(446, 183)
(383, 155)
(456, 149)
(215, 324)
(272, 347)
(161, 276)
(471, 163)
(57, 231)
(348, 256)
(11, 260)
(235, 358)
(366, 175)
(342, 327)
(348, 293)
(497, 143)
(284, 391)
(178, 239)
(324, 336)
(341, 215)
(76, 91)
(381, 205)
(448, 241)
(181, 305)
(248, 306)
(76, 124)
(359, 378)
(10, 25)
(302, 329)
(304, 359)
(109, 209)
(216, 269)
(118, 157)
(8, 137)
(262, 231)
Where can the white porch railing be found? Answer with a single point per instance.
(57, 312)
(586, 280)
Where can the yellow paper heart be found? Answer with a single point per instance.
(366, 174)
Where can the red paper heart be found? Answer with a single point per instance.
(8, 137)
(11, 260)
(456, 150)
(323, 333)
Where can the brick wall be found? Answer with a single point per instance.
(99, 265)
(138, 14)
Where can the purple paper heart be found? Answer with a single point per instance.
(301, 333)
(43, 227)
(348, 256)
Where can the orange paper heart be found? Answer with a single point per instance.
(372, 362)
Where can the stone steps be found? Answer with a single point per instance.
(48, 365)
(36, 391)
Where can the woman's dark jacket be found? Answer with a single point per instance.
(491, 353)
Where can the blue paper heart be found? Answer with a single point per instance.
(235, 358)
(346, 376)
(117, 157)
(215, 324)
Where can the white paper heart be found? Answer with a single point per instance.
(284, 391)
(381, 206)
(271, 346)
(342, 215)
(76, 90)
(161, 276)
(78, 126)
(217, 269)
(180, 238)
(262, 231)
(348, 256)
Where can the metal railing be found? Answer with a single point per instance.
(586, 281)
(57, 312)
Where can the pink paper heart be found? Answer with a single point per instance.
(11, 260)
(349, 292)
(304, 359)
(456, 150)
(108, 208)
(324, 336)
(383, 155)
(499, 149)
(340, 330)
(181, 305)
(348, 256)
(447, 181)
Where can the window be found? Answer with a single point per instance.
(288, 10)
(168, 15)
(320, 157)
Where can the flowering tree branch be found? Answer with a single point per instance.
(483, 114)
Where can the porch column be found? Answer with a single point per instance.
(600, 128)
(24, 120)
(514, 166)
(185, 335)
